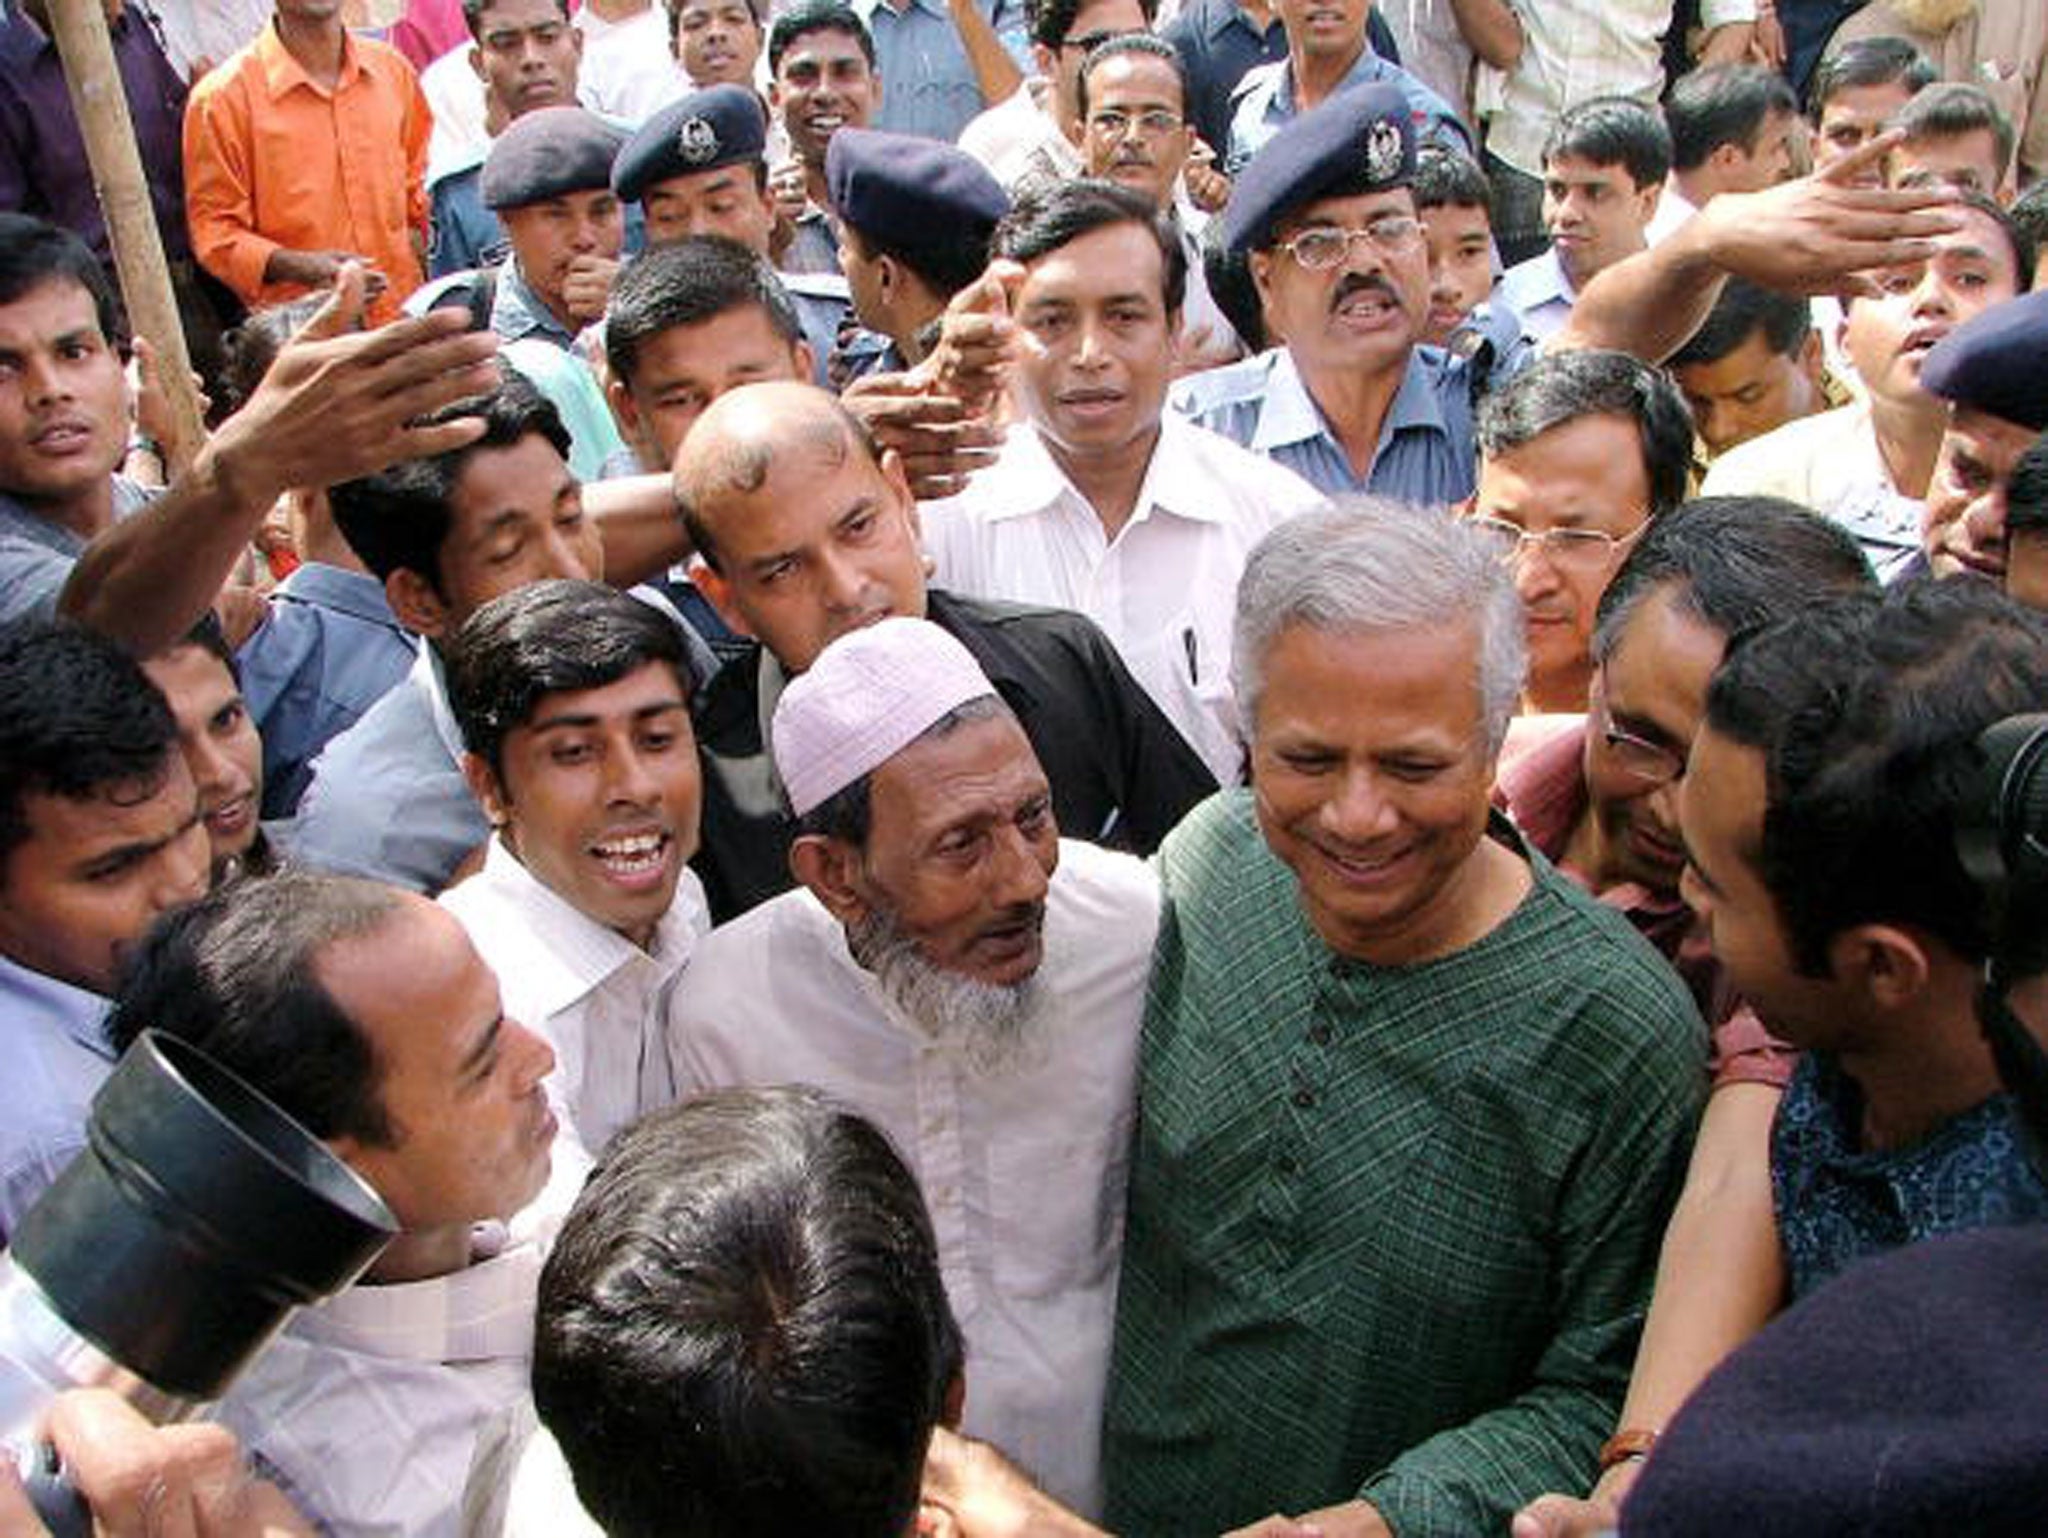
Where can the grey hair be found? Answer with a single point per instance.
(1366, 566)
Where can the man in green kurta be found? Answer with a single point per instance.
(1413, 1107)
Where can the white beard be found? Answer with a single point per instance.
(995, 1029)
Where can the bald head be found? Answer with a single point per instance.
(806, 532)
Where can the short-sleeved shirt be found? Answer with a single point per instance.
(1264, 100)
(928, 87)
(1428, 448)
(36, 555)
(1838, 1202)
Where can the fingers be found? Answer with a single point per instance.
(343, 310)
(1843, 172)
(1562, 1516)
(17, 1517)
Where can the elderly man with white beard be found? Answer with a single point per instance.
(955, 971)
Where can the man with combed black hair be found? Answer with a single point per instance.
(1857, 90)
(1603, 173)
(100, 832)
(1102, 501)
(573, 701)
(821, 68)
(1452, 200)
(365, 1014)
(1581, 450)
(1955, 136)
(807, 532)
(1753, 366)
(1734, 128)
(742, 1327)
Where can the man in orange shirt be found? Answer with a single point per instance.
(305, 150)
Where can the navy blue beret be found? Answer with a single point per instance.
(547, 153)
(717, 126)
(1992, 362)
(1362, 139)
(909, 193)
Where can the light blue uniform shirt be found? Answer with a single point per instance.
(1264, 100)
(330, 649)
(51, 1035)
(928, 86)
(388, 800)
(1538, 294)
(1427, 448)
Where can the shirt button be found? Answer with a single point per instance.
(1286, 1164)
(1304, 1098)
(1319, 1035)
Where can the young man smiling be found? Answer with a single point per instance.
(573, 701)
(1101, 500)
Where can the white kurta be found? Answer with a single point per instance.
(1164, 590)
(1024, 1174)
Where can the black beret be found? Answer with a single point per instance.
(909, 193)
(1992, 362)
(702, 131)
(547, 153)
(1363, 138)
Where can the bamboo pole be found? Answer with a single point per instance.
(79, 29)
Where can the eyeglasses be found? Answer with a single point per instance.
(1566, 549)
(1636, 756)
(1112, 124)
(1321, 249)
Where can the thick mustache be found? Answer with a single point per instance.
(1354, 283)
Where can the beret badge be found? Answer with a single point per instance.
(1382, 151)
(696, 141)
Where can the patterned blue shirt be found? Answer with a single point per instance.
(1264, 101)
(1838, 1203)
(928, 85)
(1427, 450)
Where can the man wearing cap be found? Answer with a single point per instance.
(915, 220)
(1350, 400)
(956, 971)
(804, 533)
(548, 179)
(699, 167)
(1101, 502)
(1989, 372)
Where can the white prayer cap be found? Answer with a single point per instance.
(870, 694)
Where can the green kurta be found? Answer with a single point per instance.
(1391, 1230)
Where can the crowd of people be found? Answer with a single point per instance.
(1056, 768)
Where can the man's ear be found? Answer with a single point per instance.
(488, 789)
(829, 868)
(1260, 265)
(476, 60)
(805, 359)
(712, 584)
(415, 603)
(1812, 356)
(1046, 61)
(624, 412)
(1887, 963)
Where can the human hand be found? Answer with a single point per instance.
(940, 442)
(978, 339)
(1822, 233)
(1767, 42)
(587, 287)
(154, 418)
(787, 190)
(1565, 1516)
(972, 1491)
(141, 1481)
(1208, 188)
(1352, 1519)
(320, 269)
(340, 402)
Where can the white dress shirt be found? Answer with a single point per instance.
(1023, 1172)
(368, 1406)
(1164, 590)
(596, 996)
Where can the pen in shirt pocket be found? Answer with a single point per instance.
(1187, 641)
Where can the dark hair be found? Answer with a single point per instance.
(398, 519)
(686, 283)
(1867, 61)
(1735, 563)
(34, 252)
(77, 716)
(473, 14)
(1950, 109)
(1743, 310)
(743, 1327)
(2026, 490)
(1613, 130)
(237, 974)
(675, 16)
(253, 346)
(1557, 389)
(2017, 239)
(1128, 45)
(1723, 104)
(1045, 218)
(848, 813)
(548, 638)
(1866, 710)
(2029, 215)
(1051, 20)
(207, 635)
(808, 16)
(1448, 178)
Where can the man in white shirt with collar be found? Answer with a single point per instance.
(973, 983)
(1101, 500)
(573, 702)
(364, 1013)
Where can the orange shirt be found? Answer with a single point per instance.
(274, 160)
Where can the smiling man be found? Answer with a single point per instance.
(218, 737)
(1412, 1106)
(573, 701)
(1101, 501)
(821, 64)
(956, 971)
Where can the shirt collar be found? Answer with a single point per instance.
(22, 42)
(1539, 282)
(483, 1312)
(867, 9)
(517, 311)
(80, 1013)
(1219, 16)
(427, 677)
(283, 73)
(1369, 67)
(1027, 479)
(353, 593)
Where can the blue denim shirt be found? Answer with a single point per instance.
(928, 85)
